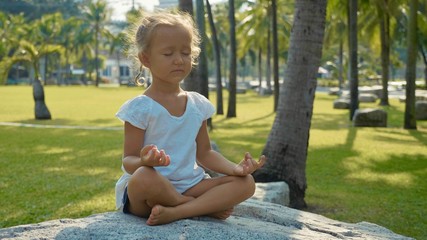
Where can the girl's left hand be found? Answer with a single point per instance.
(248, 165)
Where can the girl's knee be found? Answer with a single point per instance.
(143, 177)
(247, 184)
(250, 183)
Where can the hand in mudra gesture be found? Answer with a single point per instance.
(153, 157)
(248, 165)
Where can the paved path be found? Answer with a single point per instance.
(13, 124)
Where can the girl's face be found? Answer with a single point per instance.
(169, 55)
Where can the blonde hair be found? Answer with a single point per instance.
(143, 29)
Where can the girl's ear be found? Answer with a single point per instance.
(144, 59)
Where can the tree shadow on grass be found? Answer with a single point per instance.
(420, 136)
(107, 122)
(379, 190)
(324, 121)
(57, 173)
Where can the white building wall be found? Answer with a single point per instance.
(167, 4)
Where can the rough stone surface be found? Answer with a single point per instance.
(367, 97)
(342, 103)
(334, 91)
(421, 110)
(273, 192)
(370, 117)
(421, 95)
(376, 90)
(252, 219)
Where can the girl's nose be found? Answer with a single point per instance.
(178, 59)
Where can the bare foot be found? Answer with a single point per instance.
(181, 199)
(160, 215)
(222, 215)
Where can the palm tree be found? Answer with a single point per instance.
(31, 54)
(254, 31)
(202, 67)
(422, 37)
(186, 6)
(66, 37)
(275, 53)
(254, 21)
(335, 37)
(382, 16)
(82, 45)
(231, 112)
(191, 82)
(46, 30)
(10, 32)
(96, 14)
(354, 82)
(115, 43)
(217, 55)
(12, 29)
(286, 147)
(384, 20)
(409, 119)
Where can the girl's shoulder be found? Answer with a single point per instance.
(201, 103)
(140, 102)
(136, 111)
(195, 96)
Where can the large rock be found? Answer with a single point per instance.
(367, 97)
(273, 192)
(252, 219)
(342, 103)
(421, 110)
(370, 117)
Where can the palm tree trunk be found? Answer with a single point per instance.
(341, 67)
(186, 6)
(191, 81)
(424, 57)
(41, 111)
(46, 59)
(96, 55)
(202, 67)
(385, 49)
(275, 54)
(287, 144)
(231, 112)
(84, 63)
(354, 81)
(409, 119)
(260, 70)
(217, 54)
(268, 70)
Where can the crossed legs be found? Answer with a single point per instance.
(152, 196)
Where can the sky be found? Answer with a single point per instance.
(120, 7)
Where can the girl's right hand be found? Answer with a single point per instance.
(152, 157)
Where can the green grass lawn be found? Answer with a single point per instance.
(353, 174)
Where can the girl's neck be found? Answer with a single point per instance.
(163, 89)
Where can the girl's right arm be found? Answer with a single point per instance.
(133, 140)
(134, 157)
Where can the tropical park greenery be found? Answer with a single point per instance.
(66, 163)
(353, 174)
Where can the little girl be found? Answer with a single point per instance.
(166, 137)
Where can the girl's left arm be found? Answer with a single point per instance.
(215, 161)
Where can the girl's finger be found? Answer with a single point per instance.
(145, 150)
(261, 161)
